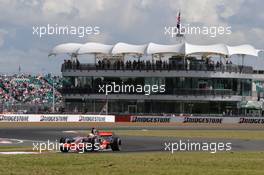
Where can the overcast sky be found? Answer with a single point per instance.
(132, 21)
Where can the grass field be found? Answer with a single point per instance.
(250, 163)
(15, 148)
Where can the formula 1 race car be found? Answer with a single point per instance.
(91, 143)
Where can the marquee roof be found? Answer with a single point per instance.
(218, 49)
(245, 49)
(125, 48)
(153, 48)
(68, 48)
(95, 48)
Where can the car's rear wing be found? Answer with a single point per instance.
(105, 133)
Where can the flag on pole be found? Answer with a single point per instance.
(179, 21)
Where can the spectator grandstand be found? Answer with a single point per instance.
(22, 92)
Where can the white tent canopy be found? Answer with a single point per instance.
(242, 50)
(154, 48)
(93, 48)
(218, 49)
(66, 48)
(124, 48)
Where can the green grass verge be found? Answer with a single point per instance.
(197, 163)
(15, 148)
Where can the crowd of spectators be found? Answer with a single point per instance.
(161, 64)
(71, 64)
(207, 64)
(135, 65)
(27, 89)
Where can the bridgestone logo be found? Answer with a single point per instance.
(202, 120)
(251, 120)
(92, 119)
(151, 119)
(14, 118)
(53, 119)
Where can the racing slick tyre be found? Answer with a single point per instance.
(116, 144)
(62, 148)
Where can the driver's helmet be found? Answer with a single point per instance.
(94, 131)
(91, 135)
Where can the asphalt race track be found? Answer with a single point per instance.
(26, 137)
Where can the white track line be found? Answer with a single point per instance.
(5, 142)
(18, 141)
(10, 141)
(18, 152)
(73, 132)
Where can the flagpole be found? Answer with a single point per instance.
(106, 111)
(53, 96)
(19, 69)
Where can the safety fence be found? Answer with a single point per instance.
(127, 118)
(55, 118)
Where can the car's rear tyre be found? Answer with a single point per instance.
(66, 140)
(116, 144)
(64, 149)
(62, 141)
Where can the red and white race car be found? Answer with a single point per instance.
(100, 141)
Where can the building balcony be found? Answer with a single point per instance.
(229, 68)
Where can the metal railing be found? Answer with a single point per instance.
(169, 67)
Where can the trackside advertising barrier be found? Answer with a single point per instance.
(112, 118)
(150, 119)
(251, 120)
(220, 120)
(196, 119)
(55, 118)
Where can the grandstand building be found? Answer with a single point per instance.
(187, 79)
(23, 93)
